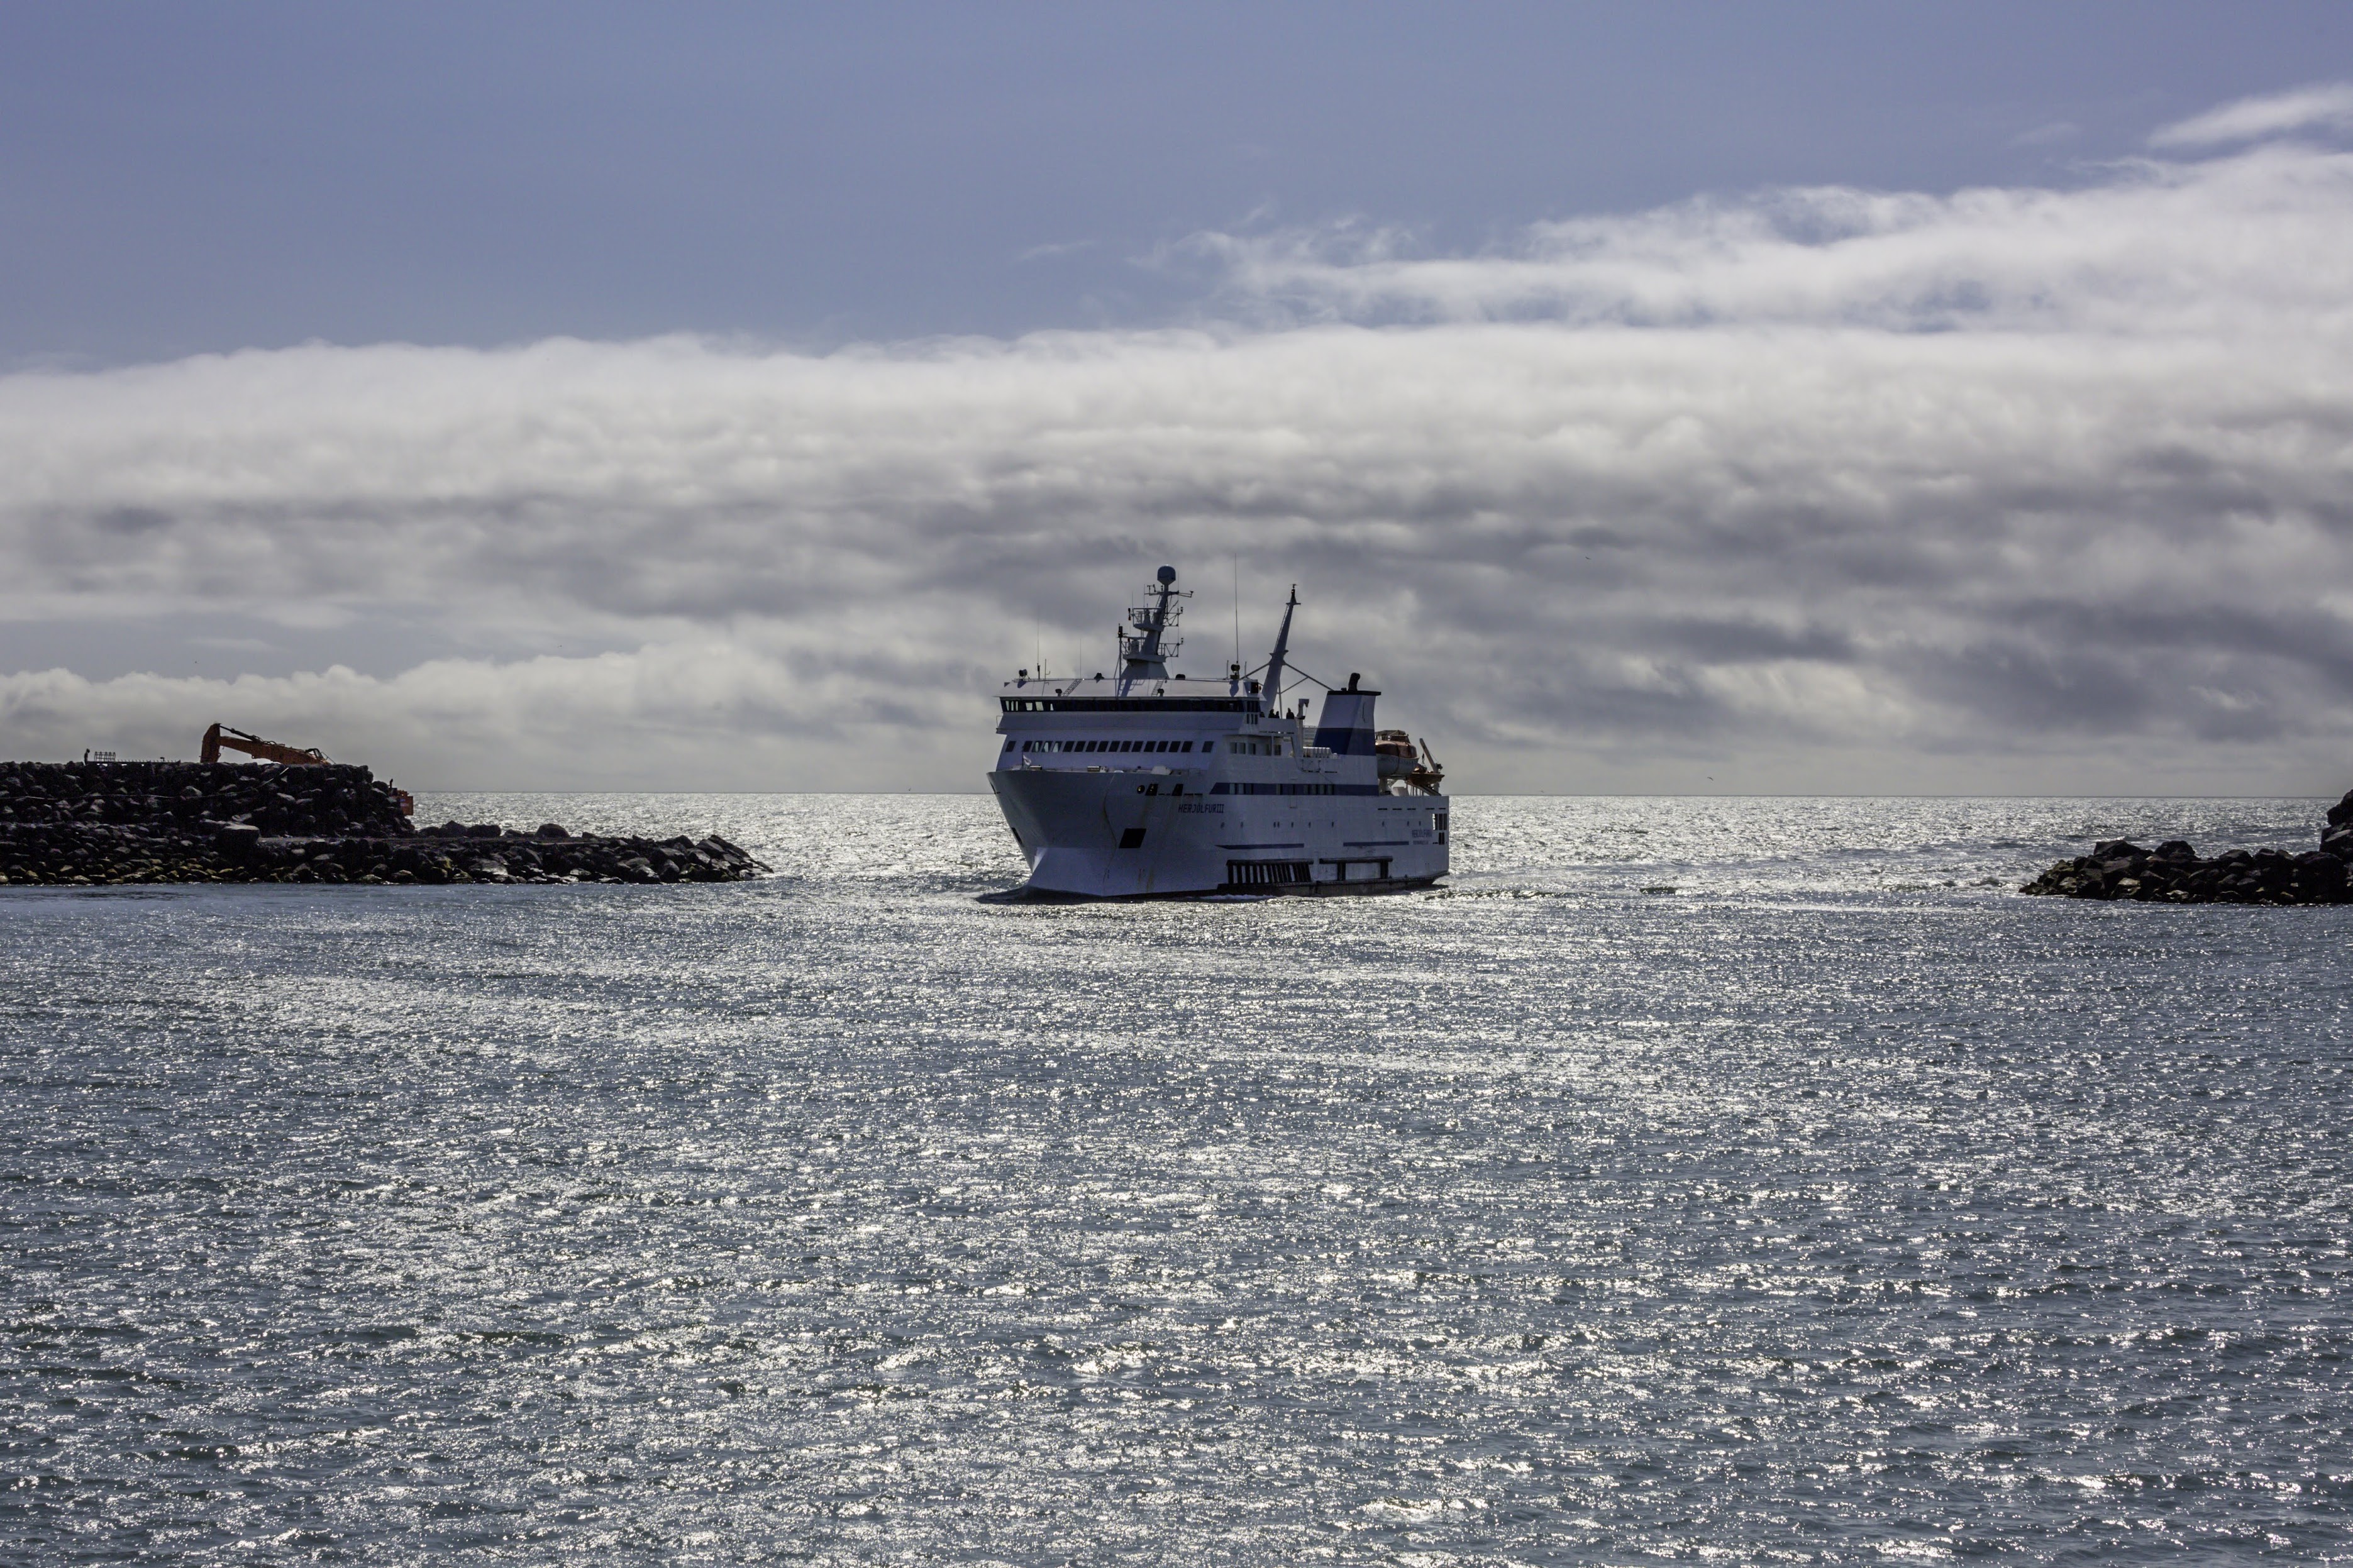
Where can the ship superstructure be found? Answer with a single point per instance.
(1147, 784)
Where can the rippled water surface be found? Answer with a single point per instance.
(1838, 1206)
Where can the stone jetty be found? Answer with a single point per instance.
(2174, 873)
(90, 823)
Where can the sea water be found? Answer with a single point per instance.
(1837, 1205)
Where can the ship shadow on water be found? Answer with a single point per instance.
(1025, 895)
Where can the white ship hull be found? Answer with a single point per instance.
(1126, 834)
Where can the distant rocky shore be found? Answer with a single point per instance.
(90, 823)
(2173, 872)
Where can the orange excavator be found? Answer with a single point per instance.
(254, 746)
(221, 735)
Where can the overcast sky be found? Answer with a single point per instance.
(1657, 397)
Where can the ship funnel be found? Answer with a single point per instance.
(1345, 724)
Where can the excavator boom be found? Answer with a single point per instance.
(254, 746)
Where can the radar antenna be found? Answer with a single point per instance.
(1144, 646)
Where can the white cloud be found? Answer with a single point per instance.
(1052, 251)
(1823, 489)
(2155, 248)
(2323, 105)
(2054, 133)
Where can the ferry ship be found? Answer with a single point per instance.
(1147, 784)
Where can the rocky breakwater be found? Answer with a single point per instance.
(90, 823)
(2174, 873)
(549, 854)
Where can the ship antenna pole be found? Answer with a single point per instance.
(1238, 606)
(1281, 651)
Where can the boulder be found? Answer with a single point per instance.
(239, 843)
(2320, 876)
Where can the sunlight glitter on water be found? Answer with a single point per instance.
(1821, 1211)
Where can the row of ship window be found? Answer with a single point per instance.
(1109, 745)
(1251, 748)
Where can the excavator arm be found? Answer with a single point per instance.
(254, 746)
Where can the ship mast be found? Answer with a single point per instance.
(1144, 644)
(1281, 651)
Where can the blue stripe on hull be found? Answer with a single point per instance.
(1296, 789)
